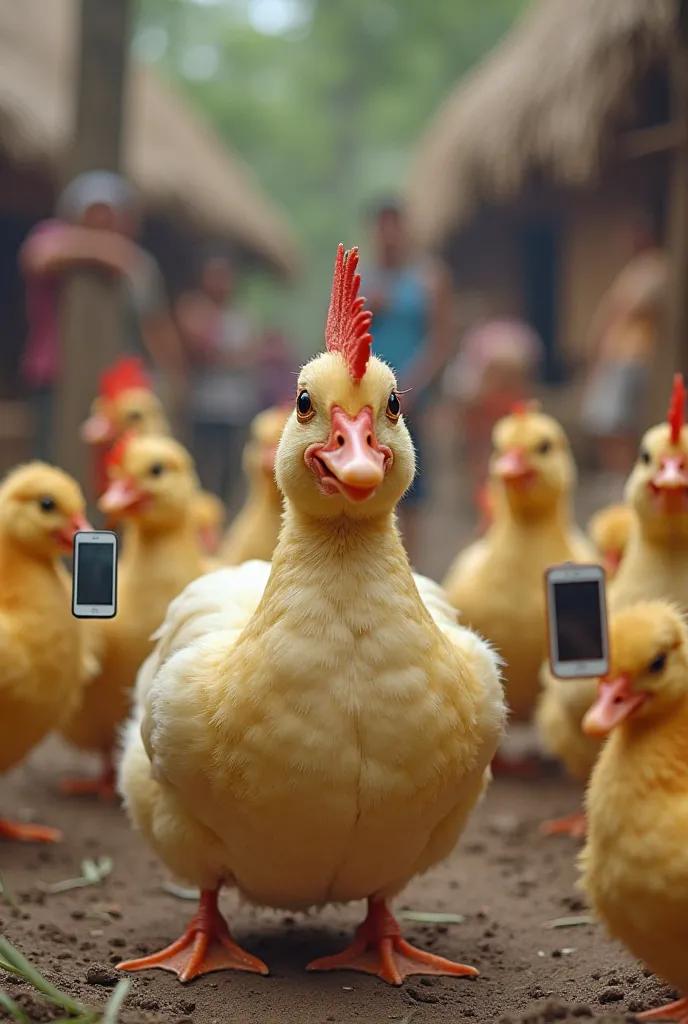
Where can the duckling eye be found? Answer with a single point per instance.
(393, 407)
(304, 406)
(157, 469)
(658, 664)
(544, 447)
(644, 456)
(134, 416)
(47, 504)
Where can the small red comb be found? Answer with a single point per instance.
(125, 374)
(676, 416)
(116, 454)
(348, 322)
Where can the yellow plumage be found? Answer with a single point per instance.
(254, 532)
(497, 583)
(44, 659)
(635, 864)
(317, 730)
(655, 565)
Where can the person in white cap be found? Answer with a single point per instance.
(97, 218)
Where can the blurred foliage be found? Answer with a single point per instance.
(324, 99)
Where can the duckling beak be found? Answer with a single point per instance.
(672, 475)
(97, 429)
(352, 462)
(616, 702)
(513, 467)
(77, 524)
(122, 495)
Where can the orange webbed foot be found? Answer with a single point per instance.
(103, 787)
(379, 948)
(29, 833)
(574, 825)
(205, 946)
(677, 1012)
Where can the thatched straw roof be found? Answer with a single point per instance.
(544, 101)
(175, 160)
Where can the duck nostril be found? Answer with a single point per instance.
(340, 440)
(369, 440)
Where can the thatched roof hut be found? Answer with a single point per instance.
(547, 106)
(180, 167)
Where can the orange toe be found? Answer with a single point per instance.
(103, 788)
(205, 946)
(29, 833)
(677, 1012)
(574, 825)
(380, 949)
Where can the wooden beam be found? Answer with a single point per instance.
(660, 138)
(91, 315)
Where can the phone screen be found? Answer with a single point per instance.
(95, 574)
(578, 621)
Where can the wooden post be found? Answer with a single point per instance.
(672, 354)
(91, 314)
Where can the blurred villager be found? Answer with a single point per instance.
(95, 225)
(496, 368)
(622, 342)
(412, 302)
(277, 366)
(224, 389)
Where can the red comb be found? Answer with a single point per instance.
(116, 454)
(348, 322)
(125, 374)
(676, 416)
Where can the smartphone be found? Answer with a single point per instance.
(94, 578)
(577, 621)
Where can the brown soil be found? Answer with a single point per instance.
(505, 879)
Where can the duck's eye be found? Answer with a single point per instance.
(658, 664)
(47, 504)
(157, 469)
(544, 447)
(644, 456)
(393, 406)
(304, 406)
(134, 416)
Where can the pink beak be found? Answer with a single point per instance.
(672, 474)
(122, 495)
(615, 702)
(354, 463)
(513, 465)
(77, 524)
(97, 430)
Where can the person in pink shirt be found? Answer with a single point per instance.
(96, 220)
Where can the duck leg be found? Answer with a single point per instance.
(378, 948)
(103, 786)
(205, 946)
(677, 1012)
(29, 833)
(574, 825)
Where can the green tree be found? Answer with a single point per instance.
(324, 99)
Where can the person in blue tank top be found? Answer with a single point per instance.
(412, 305)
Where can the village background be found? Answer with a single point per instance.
(267, 125)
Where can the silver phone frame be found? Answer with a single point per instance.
(573, 572)
(91, 611)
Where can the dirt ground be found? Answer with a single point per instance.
(506, 880)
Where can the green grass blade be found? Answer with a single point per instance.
(15, 1012)
(22, 966)
(116, 1001)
